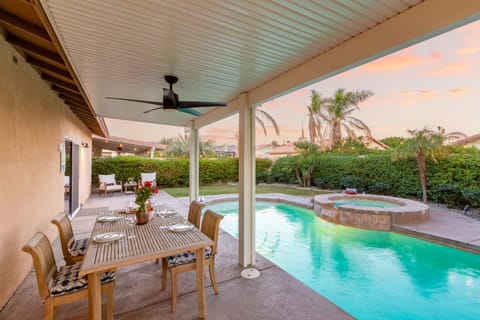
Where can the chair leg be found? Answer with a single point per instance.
(173, 289)
(109, 297)
(164, 274)
(211, 269)
(49, 309)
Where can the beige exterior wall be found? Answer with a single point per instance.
(33, 122)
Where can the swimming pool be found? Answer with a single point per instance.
(364, 203)
(370, 274)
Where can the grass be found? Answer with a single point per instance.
(227, 189)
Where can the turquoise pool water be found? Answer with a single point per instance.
(369, 274)
(364, 203)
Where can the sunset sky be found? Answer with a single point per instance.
(434, 83)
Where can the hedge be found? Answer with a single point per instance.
(172, 172)
(455, 180)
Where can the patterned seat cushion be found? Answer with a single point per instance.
(79, 247)
(67, 280)
(187, 257)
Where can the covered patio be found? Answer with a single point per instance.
(60, 61)
(275, 295)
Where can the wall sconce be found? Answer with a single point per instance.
(85, 144)
(120, 148)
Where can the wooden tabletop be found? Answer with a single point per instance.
(139, 243)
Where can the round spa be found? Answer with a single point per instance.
(369, 211)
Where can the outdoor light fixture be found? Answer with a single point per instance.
(120, 148)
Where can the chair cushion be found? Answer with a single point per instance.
(113, 187)
(107, 178)
(67, 280)
(187, 257)
(79, 247)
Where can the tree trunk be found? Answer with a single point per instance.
(422, 173)
(298, 175)
(336, 134)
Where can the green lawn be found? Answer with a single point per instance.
(226, 189)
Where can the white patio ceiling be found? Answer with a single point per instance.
(222, 48)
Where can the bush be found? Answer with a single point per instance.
(450, 194)
(318, 182)
(173, 172)
(352, 182)
(380, 188)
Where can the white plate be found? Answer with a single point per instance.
(181, 227)
(108, 218)
(107, 237)
(169, 212)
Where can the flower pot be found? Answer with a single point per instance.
(142, 217)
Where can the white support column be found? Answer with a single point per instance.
(246, 147)
(152, 153)
(194, 164)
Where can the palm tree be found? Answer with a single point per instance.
(333, 114)
(339, 109)
(179, 147)
(316, 118)
(425, 144)
(260, 115)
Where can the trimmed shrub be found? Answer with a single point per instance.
(173, 172)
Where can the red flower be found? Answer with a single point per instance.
(148, 184)
(155, 190)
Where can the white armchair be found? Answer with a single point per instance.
(108, 183)
(149, 177)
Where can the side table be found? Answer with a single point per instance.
(131, 185)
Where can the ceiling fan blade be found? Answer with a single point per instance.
(158, 103)
(150, 110)
(190, 111)
(199, 104)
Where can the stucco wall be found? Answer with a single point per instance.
(33, 122)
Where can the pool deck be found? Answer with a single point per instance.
(274, 295)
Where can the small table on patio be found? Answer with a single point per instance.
(141, 243)
(132, 185)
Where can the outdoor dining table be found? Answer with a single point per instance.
(139, 243)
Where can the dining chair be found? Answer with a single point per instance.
(58, 286)
(73, 250)
(187, 261)
(149, 176)
(195, 213)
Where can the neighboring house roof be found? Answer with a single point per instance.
(287, 149)
(467, 140)
(127, 145)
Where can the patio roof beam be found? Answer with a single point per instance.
(79, 111)
(68, 93)
(24, 25)
(83, 115)
(42, 65)
(34, 49)
(80, 102)
(60, 83)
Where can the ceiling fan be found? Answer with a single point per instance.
(171, 101)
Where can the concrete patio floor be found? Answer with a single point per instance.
(274, 295)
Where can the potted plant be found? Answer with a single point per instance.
(142, 198)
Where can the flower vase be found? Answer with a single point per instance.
(142, 217)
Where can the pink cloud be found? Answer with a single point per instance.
(469, 49)
(449, 69)
(459, 91)
(408, 98)
(402, 60)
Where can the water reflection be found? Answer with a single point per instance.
(364, 271)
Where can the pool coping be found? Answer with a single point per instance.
(306, 202)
